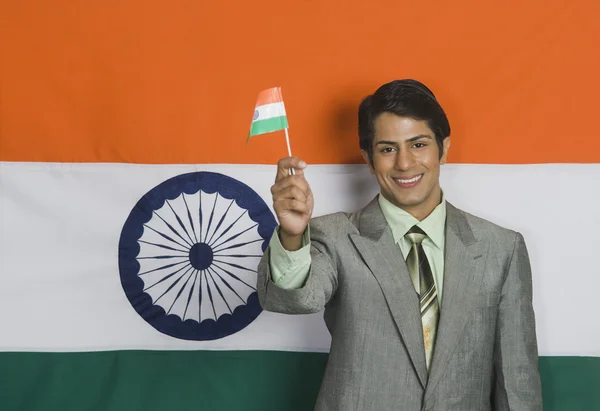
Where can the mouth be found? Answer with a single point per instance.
(408, 182)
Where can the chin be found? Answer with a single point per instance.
(404, 202)
(408, 204)
(408, 200)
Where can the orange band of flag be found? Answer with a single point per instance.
(127, 82)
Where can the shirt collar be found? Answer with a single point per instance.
(400, 221)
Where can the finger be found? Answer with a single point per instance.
(285, 164)
(293, 206)
(296, 206)
(291, 181)
(291, 192)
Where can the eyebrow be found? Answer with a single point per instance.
(410, 140)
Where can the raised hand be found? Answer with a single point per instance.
(293, 202)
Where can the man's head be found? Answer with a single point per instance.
(404, 137)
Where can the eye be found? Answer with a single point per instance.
(387, 150)
(419, 145)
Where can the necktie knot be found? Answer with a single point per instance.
(416, 235)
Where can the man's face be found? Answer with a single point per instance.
(406, 162)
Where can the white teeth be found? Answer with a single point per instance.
(412, 180)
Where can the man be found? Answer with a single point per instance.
(429, 307)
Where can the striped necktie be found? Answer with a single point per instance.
(422, 279)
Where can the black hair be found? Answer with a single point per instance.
(407, 98)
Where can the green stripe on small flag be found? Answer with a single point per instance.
(269, 125)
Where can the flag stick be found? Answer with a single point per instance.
(287, 140)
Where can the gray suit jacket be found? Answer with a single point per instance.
(485, 355)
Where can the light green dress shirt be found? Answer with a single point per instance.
(289, 269)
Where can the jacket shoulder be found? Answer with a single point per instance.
(335, 224)
(483, 228)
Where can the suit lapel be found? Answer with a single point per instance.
(464, 263)
(384, 258)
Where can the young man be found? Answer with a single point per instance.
(429, 307)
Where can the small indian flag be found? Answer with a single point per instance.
(269, 114)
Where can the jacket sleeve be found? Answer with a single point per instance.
(517, 379)
(316, 288)
(289, 269)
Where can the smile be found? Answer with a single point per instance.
(409, 181)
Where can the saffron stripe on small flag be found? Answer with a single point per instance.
(269, 113)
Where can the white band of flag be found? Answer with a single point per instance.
(60, 275)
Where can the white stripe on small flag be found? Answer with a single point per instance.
(268, 111)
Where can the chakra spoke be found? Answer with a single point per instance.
(220, 222)
(173, 285)
(235, 277)
(166, 237)
(172, 228)
(187, 305)
(233, 237)
(166, 247)
(210, 295)
(238, 255)
(180, 221)
(212, 213)
(164, 267)
(180, 291)
(160, 257)
(220, 293)
(167, 277)
(235, 265)
(190, 219)
(200, 295)
(238, 245)
(200, 214)
(230, 227)
(227, 285)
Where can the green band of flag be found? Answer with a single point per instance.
(218, 380)
(268, 125)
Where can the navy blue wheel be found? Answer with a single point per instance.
(188, 255)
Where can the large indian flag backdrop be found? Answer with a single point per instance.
(133, 213)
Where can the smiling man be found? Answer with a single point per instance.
(380, 275)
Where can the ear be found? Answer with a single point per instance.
(365, 156)
(445, 148)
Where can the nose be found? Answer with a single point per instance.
(404, 160)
